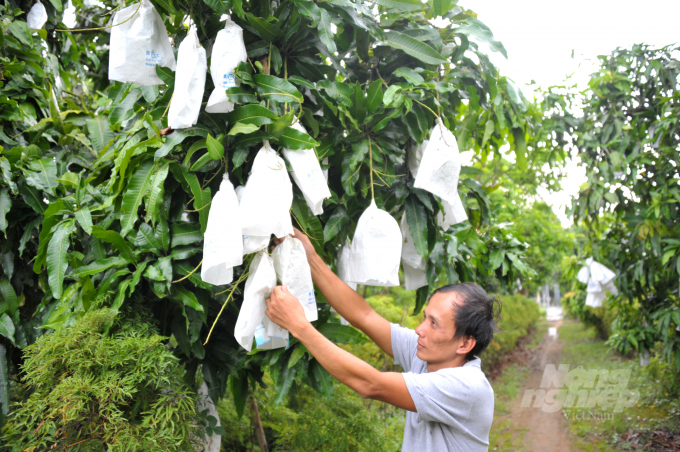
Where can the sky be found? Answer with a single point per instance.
(540, 36)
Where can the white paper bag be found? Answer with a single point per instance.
(269, 336)
(452, 214)
(292, 268)
(414, 278)
(189, 83)
(342, 265)
(251, 244)
(267, 197)
(138, 45)
(222, 246)
(227, 52)
(599, 279)
(439, 166)
(376, 249)
(307, 175)
(260, 282)
(414, 264)
(37, 16)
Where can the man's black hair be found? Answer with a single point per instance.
(475, 314)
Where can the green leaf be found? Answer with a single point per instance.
(440, 7)
(335, 223)
(100, 266)
(309, 9)
(481, 33)
(177, 137)
(118, 242)
(5, 206)
(416, 217)
(217, 6)
(20, 30)
(422, 295)
(298, 352)
(520, 147)
(99, 132)
(242, 127)
(496, 259)
(402, 5)
(154, 201)
(122, 110)
(134, 193)
(323, 379)
(294, 139)
(10, 302)
(57, 260)
(146, 238)
(325, 31)
(167, 75)
(186, 298)
(413, 47)
(301, 81)
(50, 219)
(252, 114)
(264, 29)
(242, 95)
(201, 162)
(276, 89)
(43, 175)
(162, 233)
(215, 148)
(358, 109)
(84, 219)
(185, 234)
(375, 96)
(6, 324)
(409, 75)
(341, 333)
(202, 199)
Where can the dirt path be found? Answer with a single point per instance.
(543, 431)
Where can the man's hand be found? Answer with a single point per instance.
(285, 310)
(306, 243)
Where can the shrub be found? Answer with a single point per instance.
(519, 316)
(103, 384)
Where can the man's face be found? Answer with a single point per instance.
(435, 342)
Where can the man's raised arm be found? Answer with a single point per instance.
(346, 301)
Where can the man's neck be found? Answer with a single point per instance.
(458, 361)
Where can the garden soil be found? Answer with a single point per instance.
(543, 431)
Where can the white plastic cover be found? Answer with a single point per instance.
(439, 166)
(307, 175)
(189, 83)
(414, 278)
(268, 335)
(267, 197)
(222, 246)
(251, 244)
(292, 268)
(138, 45)
(260, 282)
(37, 16)
(227, 52)
(376, 249)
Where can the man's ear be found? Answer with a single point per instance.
(467, 345)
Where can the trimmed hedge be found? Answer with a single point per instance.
(519, 316)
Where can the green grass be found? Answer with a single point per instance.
(656, 407)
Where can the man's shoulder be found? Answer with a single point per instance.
(470, 375)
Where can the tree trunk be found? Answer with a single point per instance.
(259, 430)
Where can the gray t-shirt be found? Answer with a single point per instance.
(454, 406)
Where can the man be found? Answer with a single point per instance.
(448, 398)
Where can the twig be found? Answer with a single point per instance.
(243, 276)
(190, 273)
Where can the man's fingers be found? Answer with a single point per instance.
(268, 302)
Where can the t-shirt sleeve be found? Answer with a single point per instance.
(443, 396)
(404, 346)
